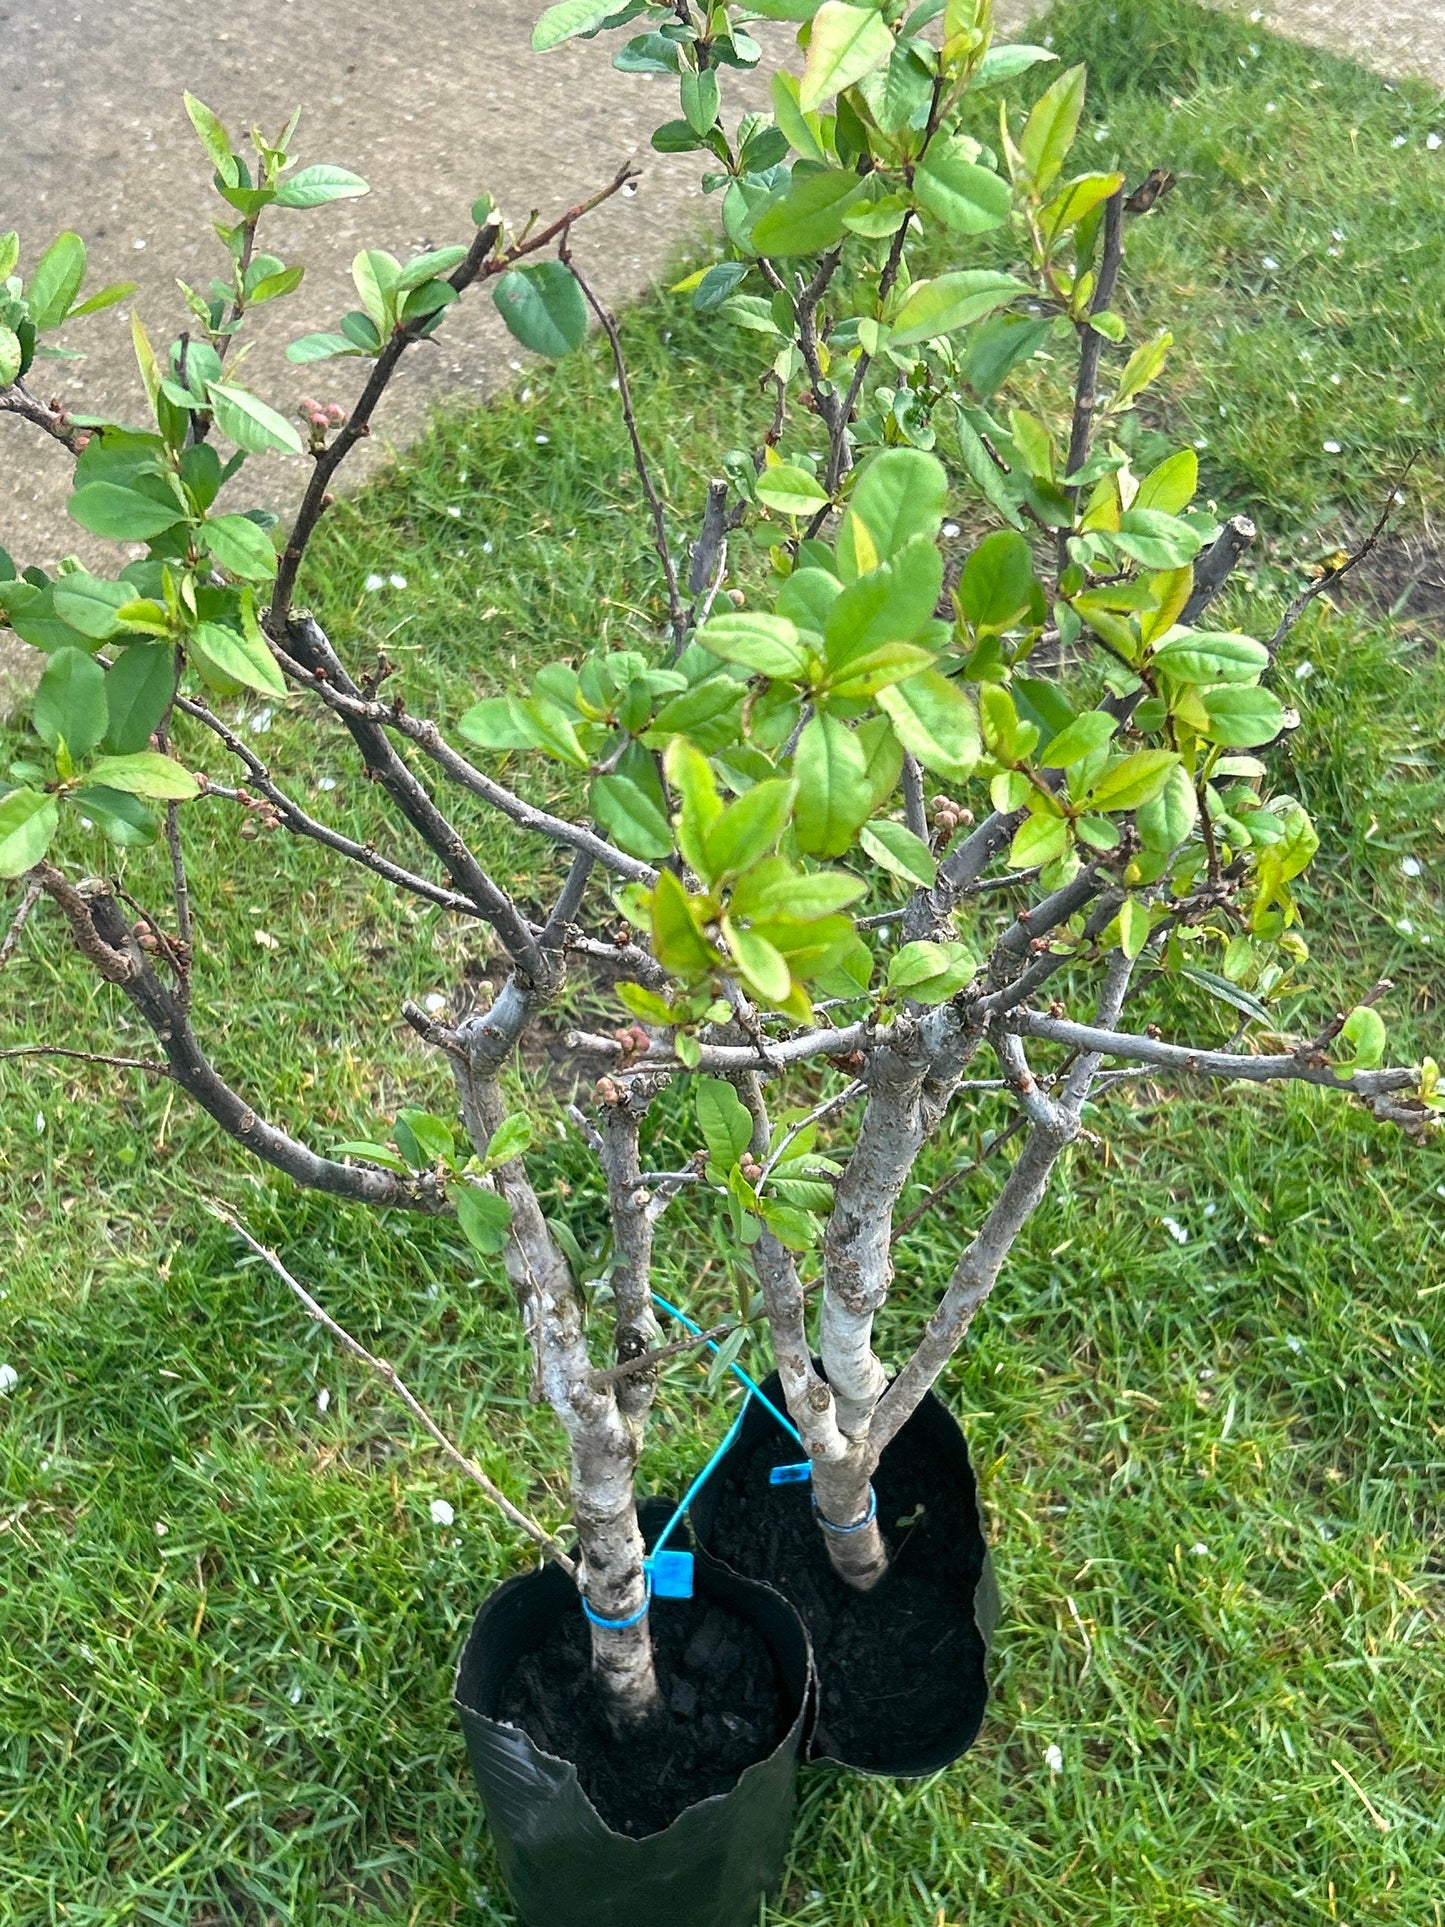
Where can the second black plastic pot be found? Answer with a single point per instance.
(902, 1679)
(563, 1865)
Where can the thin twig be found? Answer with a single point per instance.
(29, 897)
(614, 1374)
(956, 1177)
(387, 1373)
(88, 1057)
(676, 608)
(1331, 576)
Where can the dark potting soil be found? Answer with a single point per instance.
(725, 1708)
(893, 1664)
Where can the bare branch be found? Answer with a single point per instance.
(88, 1057)
(677, 610)
(50, 416)
(29, 897)
(389, 1376)
(1331, 576)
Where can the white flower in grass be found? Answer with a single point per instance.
(1199, 1550)
(1411, 866)
(1404, 926)
(9, 1379)
(1433, 141)
(1054, 1759)
(433, 1002)
(397, 581)
(1271, 266)
(1332, 448)
(294, 1696)
(1398, 141)
(442, 1513)
(1304, 670)
(326, 782)
(1176, 1230)
(323, 1401)
(374, 582)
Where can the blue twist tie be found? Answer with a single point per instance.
(791, 1474)
(621, 1625)
(867, 1520)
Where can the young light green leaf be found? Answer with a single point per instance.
(321, 347)
(791, 491)
(1242, 717)
(146, 773)
(1201, 657)
(485, 1219)
(241, 547)
(103, 298)
(1039, 839)
(952, 186)
(315, 186)
(768, 645)
(237, 658)
(1171, 486)
(951, 301)
(1082, 737)
(213, 136)
(250, 422)
(900, 852)
(998, 584)
(809, 217)
(11, 356)
(56, 281)
(1051, 128)
(543, 307)
(929, 973)
(569, 18)
(1133, 926)
(749, 827)
(509, 1140)
(1134, 780)
(724, 1120)
(763, 969)
(935, 722)
(900, 494)
(846, 43)
(28, 822)
(1364, 1031)
(122, 514)
(90, 603)
(677, 943)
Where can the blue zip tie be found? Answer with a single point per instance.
(621, 1625)
(791, 1474)
(736, 1370)
(828, 1526)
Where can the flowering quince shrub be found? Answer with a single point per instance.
(868, 843)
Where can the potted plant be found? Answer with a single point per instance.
(815, 963)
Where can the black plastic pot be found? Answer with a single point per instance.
(563, 1865)
(902, 1671)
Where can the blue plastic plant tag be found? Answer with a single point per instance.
(791, 1474)
(671, 1575)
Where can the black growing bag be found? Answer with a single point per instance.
(563, 1865)
(902, 1680)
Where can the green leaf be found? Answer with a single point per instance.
(28, 822)
(423, 1139)
(381, 1154)
(70, 703)
(749, 827)
(272, 286)
(1242, 718)
(951, 185)
(249, 422)
(1364, 1032)
(763, 969)
(891, 604)
(315, 186)
(809, 218)
(103, 298)
(509, 1140)
(1134, 780)
(9, 253)
(1038, 840)
(1157, 540)
(90, 603)
(11, 356)
(1082, 737)
(935, 722)
(791, 491)
(213, 136)
(544, 307)
(1004, 62)
(146, 773)
(768, 645)
(997, 586)
(1051, 128)
(321, 347)
(1142, 367)
(701, 98)
(240, 546)
(569, 18)
(121, 819)
(898, 495)
(929, 973)
(237, 658)
(992, 352)
(56, 281)
(1202, 657)
(951, 301)
(485, 1219)
(846, 43)
(138, 689)
(499, 722)
(1296, 848)
(1167, 822)
(900, 852)
(1171, 486)
(724, 1120)
(122, 514)
(631, 818)
(677, 943)
(834, 794)
(425, 267)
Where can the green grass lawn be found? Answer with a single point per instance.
(1208, 1401)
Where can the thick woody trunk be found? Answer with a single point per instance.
(604, 1444)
